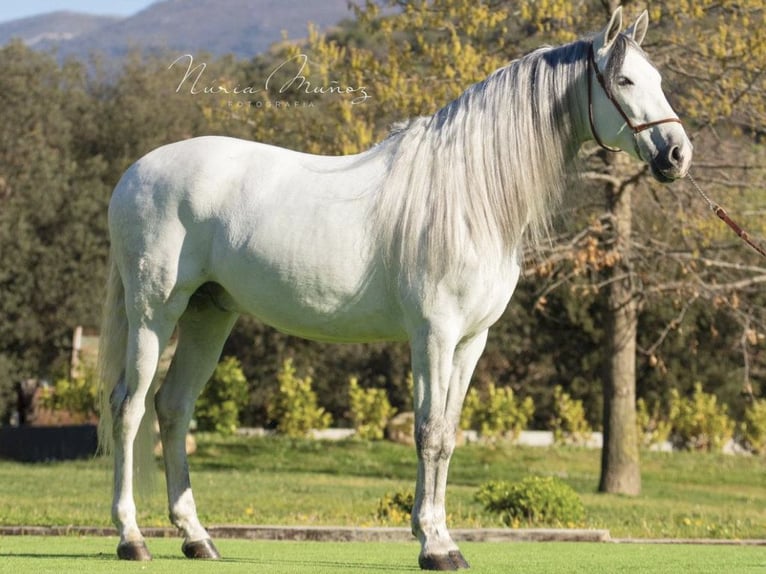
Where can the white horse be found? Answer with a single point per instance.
(416, 239)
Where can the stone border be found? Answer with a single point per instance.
(321, 533)
(375, 534)
(703, 541)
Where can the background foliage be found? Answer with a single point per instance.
(294, 409)
(369, 410)
(69, 131)
(218, 406)
(496, 413)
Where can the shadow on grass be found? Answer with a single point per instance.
(56, 556)
(335, 565)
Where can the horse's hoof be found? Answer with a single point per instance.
(436, 562)
(458, 560)
(201, 549)
(133, 551)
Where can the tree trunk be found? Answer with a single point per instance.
(620, 471)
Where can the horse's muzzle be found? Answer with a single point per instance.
(671, 163)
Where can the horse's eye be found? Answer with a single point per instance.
(624, 81)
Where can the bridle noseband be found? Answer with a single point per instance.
(635, 128)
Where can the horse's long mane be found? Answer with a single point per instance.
(486, 167)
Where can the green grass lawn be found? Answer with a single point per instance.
(86, 555)
(280, 481)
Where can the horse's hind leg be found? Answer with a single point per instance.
(202, 331)
(145, 342)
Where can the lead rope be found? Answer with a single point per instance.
(723, 216)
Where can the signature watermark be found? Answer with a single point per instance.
(288, 79)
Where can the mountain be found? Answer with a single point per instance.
(240, 27)
(43, 30)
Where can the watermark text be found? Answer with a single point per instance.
(288, 78)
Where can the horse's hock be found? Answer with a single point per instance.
(401, 429)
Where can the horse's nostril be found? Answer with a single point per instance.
(675, 155)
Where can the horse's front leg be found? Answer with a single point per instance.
(437, 365)
(428, 514)
(466, 356)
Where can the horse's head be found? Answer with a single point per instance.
(627, 108)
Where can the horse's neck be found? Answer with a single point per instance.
(486, 167)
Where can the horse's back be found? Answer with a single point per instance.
(198, 172)
(205, 175)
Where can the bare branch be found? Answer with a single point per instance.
(671, 326)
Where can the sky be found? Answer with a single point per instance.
(14, 9)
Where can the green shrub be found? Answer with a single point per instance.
(568, 424)
(753, 427)
(699, 422)
(217, 408)
(534, 501)
(77, 396)
(653, 426)
(396, 507)
(294, 407)
(496, 412)
(370, 410)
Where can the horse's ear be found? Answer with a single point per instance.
(609, 34)
(638, 30)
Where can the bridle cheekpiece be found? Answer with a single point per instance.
(635, 128)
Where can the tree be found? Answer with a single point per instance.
(620, 471)
(52, 202)
(67, 137)
(650, 252)
(632, 273)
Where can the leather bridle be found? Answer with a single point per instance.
(635, 128)
(638, 128)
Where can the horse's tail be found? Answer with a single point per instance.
(112, 348)
(112, 352)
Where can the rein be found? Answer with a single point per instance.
(723, 216)
(635, 128)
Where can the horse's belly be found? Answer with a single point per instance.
(315, 303)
